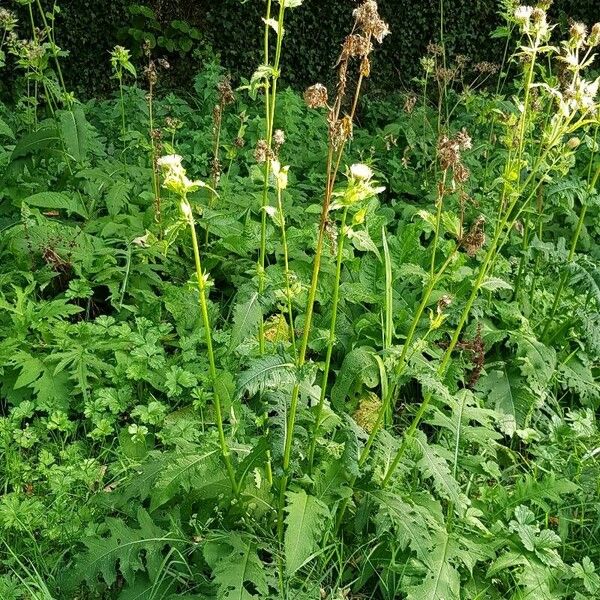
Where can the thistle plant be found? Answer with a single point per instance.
(176, 181)
(522, 178)
(120, 60)
(368, 28)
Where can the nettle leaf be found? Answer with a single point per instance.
(442, 579)
(238, 572)
(246, 318)
(305, 523)
(406, 521)
(267, 372)
(122, 550)
(435, 467)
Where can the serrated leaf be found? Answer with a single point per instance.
(409, 526)
(495, 283)
(56, 200)
(359, 368)
(238, 571)
(201, 474)
(305, 522)
(246, 317)
(267, 372)
(435, 467)
(117, 197)
(442, 579)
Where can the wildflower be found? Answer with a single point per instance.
(578, 32)
(280, 174)
(278, 138)
(174, 176)
(361, 171)
(428, 64)
(463, 139)
(366, 413)
(443, 303)
(573, 143)
(523, 15)
(360, 187)
(8, 20)
(368, 20)
(316, 96)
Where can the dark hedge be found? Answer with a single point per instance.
(89, 29)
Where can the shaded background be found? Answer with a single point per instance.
(193, 31)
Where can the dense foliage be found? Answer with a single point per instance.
(258, 345)
(191, 31)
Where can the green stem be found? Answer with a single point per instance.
(202, 296)
(330, 340)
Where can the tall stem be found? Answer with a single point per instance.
(202, 296)
(330, 340)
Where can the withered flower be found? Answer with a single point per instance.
(316, 96)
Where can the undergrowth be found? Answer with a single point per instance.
(257, 344)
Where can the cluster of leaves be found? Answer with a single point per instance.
(113, 479)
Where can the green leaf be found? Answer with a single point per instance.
(442, 579)
(201, 474)
(117, 197)
(358, 368)
(434, 466)
(507, 392)
(46, 136)
(124, 550)
(495, 283)
(408, 524)
(267, 372)
(246, 317)
(238, 571)
(74, 131)
(56, 200)
(5, 130)
(305, 522)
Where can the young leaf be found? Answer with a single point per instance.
(246, 317)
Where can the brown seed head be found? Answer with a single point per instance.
(369, 22)
(226, 95)
(316, 96)
(356, 45)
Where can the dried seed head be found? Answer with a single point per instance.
(261, 151)
(486, 68)
(448, 152)
(151, 74)
(369, 22)
(356, 45)
(435, 49)
(409, 103)
(239, 142)
(340, 131)
(226, 95)
(316, 96)
(444, 74)
(474, 240)
(460, 173)
(461, 61)
(365, 67)
(463, 139)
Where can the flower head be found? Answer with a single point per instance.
(316, 96)
(174, 176)
(361, 172)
